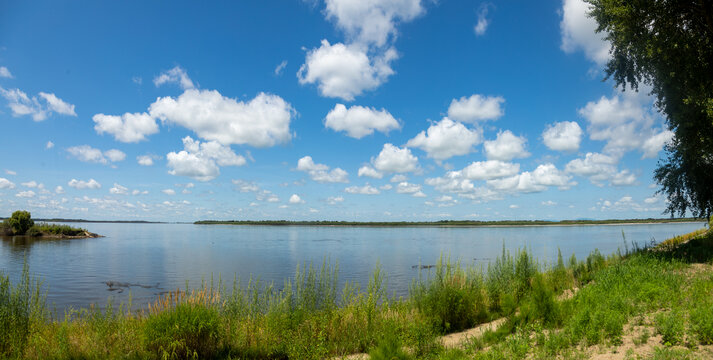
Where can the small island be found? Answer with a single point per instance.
(21, 224)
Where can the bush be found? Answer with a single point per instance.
(21, 221)
(185, 331)
(19, 305)
(389, 349)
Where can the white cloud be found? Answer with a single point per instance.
(563, 136)
(10, 172)
(446, 139)
(169, 191)
(5, 73)
(407, 188)
(624, 178)
(49, 145)
(513, 206)
(320, 172)
(506, 147)
(393, 159)
(369, 171)
(59, 190)
(25, 194)
(200, 161)
(147, 160)
(363, 190)
(482, 25)
(538, 180)
(39, 109)
(245, 186)
(295, 199)
(398, 178)
(126, 128)
(386, 187)
(579, 32)
(118, 190)
(81, 184)
(333, 200)
(6, 184)
(280, 67)
(115, 155)
(476, 108)
(87, 153)
(263, 121)
(137, 80)
(597, 167)
(360, 121)
(371, 22)
(177, 75)
(30, 184)
(345, 71)
(490, 169)
(655, 143)
(548, 203)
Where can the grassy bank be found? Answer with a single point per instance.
(466, 223)
(663, 293)
(43, 229)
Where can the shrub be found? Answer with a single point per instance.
(21, 221)
(185, 331)
(389, 349)
(5, 228)
(18, 306)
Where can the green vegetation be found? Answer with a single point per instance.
(667, 46)
(21, 223)
(568, 309)
(444, 222)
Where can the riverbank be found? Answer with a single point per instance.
(308, 317)
(451, 223)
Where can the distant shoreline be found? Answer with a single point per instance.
(454, 223)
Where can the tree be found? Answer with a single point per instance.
(668, 45)
(21, 221)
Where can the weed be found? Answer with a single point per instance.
(670, 326)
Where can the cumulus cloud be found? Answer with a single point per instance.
(398, 178)
(320, 172)
(5, 73)
(506, 147)
(578, 32)
(563, 136)
(26, 194)
(626, 122)
(393, 159)
(490, 169)
(407, 188)
(446, 139)
(369, 171)
(177, 75)
(201, 161)
(38, 108)
(538, 180)
(600, 168)
(363, 190)
(128, 128)
(624, 178)
(81, 184)
(345, 71)
(476, 108)
(147, 160)
(87, 153)
(371, 22)
(261, 122)
(169, 191)
(6, 184)
(295, 199)
(118, 190)
(30, 184)
(59, 190)
(49, 145)
(245, 186)
(360, 121)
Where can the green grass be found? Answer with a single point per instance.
(310, 317)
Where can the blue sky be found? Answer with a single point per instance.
(336, 110)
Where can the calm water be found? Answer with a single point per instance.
(75, 271)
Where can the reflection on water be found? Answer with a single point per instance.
(143, 260)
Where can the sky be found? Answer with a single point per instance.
(401, 110)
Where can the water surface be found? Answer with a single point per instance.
(163, 257)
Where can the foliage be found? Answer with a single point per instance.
(671, 327)
(188, 330)
(21, 221)
(668, 46)
(19, 306)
